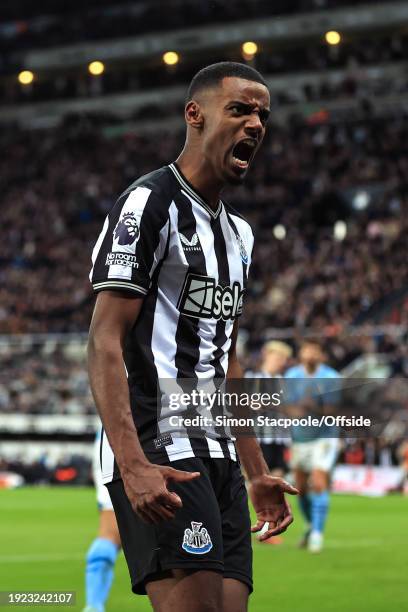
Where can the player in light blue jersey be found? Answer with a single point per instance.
(102, 554)
(311, 390)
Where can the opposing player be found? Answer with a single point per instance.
(103, 552)
(314, 449)
(170, 268)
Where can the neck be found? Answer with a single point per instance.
(201, 176)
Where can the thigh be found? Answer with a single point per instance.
(236, 533)
(190, 541)
(108, 527)
(301, 481)
(301, 456)
(319, 481)
(186, 591)
(325, 453)
(235, 596)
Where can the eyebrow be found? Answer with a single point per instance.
(263, 112)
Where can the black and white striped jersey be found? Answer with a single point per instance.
(162, 242)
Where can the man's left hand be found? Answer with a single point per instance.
(267, 496)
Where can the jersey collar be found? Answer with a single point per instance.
(192, 192)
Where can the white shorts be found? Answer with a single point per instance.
(102, 495)
(318, 454)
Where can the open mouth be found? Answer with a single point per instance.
(243, 152)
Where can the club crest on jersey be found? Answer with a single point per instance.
(190, 245)
(196, 540)
(201, 298)
(127, 229)
(242, 249)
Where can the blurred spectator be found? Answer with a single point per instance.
(57, 186)
(46, 378)
(52, 23)
(365, 62)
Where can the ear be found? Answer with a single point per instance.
(193, 115)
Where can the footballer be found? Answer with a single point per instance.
(170, 268)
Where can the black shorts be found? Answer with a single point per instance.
(210, 532)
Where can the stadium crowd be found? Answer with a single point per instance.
(57, 186)
(326, 201)
(47, 377)
(353, 56)
(51, 23)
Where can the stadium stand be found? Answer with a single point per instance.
(332, 173)
(326, 198)
(353, 58)
(56, 23)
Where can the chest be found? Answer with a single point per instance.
(207, 246)
(207, 263)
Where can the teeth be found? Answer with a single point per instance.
(240, 162)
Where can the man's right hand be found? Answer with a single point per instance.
(146, 488)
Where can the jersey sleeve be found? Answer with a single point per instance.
(132, 242)
(250, 242)
(245, 239)
(246, 247)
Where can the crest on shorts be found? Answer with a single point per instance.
(196, 540)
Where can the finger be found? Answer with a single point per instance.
(288, 510)
(180, 475)
(280, 525)
(158, 512)
(146, 516)
(258, 526)
(171, 499)
(287, 488)
(167, 513)
(269, 532)
(279, 528)
(158, 509)
(148, 511)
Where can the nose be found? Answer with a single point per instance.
(254, 125)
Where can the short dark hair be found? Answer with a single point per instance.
(212, 75)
